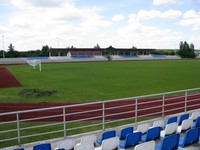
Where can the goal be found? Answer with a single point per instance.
(34, 63)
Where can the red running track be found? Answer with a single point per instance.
(7, 80)
(145, 107)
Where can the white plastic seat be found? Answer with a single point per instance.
(150, 145)
(186, 124)
(143, 128)
(109, 144)
(84, 147)
(67, 144)
(88, 139)
(169, 129)
(158, 123)
(194, 115)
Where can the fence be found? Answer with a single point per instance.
(26, 126)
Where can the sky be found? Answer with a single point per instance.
(160, 24)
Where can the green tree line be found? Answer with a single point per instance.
(185, 51)
(12, 53)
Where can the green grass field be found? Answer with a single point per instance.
(103, 80)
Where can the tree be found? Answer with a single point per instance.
(97, 46)
(11, 47)
(186, 50)
(12, 52)
(44, 51)
(133, 47)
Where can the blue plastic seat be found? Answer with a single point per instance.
(196, 124)
(191, 136)
(132, 139)
(183, 117)
(171, 120)
(46, 146)
(106, 135)
(19, 149)
(168, 143)
(152, 134)
(124, 132)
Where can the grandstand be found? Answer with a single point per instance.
(112, 115)
(83, 58)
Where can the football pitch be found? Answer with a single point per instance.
(96, 81)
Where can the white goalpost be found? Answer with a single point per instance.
(34, 63)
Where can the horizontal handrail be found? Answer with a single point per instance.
(96, 114)
(113, 100)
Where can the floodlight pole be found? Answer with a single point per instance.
(3, 46)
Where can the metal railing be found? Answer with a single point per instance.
(26, 126)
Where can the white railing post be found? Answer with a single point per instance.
(64, 122)
(103, 115)
(18, 130)
(186, 97)
(136, 109)
(163, 105)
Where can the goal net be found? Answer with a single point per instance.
(34, 63)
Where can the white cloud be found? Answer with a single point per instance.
(27, 4)
(190, 18)
(154, 14)
(40, 23)
(147, 15)
(164, 2)
(147, 36)
(34, 23)
(171, 14)
(118, 17)
(191, 14)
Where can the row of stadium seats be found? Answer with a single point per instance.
(86, 58)
(145, 136)
(143, 57)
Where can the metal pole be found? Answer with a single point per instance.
(3, 46)
(103, 115)
(64, 122)
(186, 95)
(18, 130)
(163, 106)
(136, 109)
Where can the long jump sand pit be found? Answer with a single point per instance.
(7, 80)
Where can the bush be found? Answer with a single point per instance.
(36, 93)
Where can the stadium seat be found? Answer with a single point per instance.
(171, 120)
(66, 144)
(186, 124)
(84, 147)
(19, 149)
(143, 128)
(88, 139)
(182, 117)
(109, 144)
(196, 124)
(195, 115)
(132, 139)
(150, 145)
(46, 146)
(152, 134)
(106, 135)
(124, 132)
(191, 136)
(169, 129)
(168, 143)
(158, 123)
